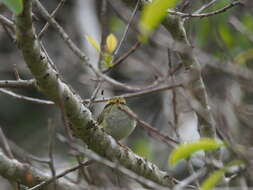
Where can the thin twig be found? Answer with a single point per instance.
(172, 71)
(43, 30)
(79, 53)
(174, 97)
(62, 174)
(94, 94)
(103, 21)
(8, 152)
(5, 144)
(21, 97)
(9, 27)
(123, 13)
(20, 84)
(192, 172)
(51, 133)
(205, 6)
(10, 34)
(38, 159)
(140, 93)
(16, 72)
(122, 58)
(222, 10)
(50, 61)
(183, 184)
(168, 140)
(196, 105)
(127, 27)
(74, 152)
(5, 21)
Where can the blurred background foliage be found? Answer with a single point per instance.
(218, 35)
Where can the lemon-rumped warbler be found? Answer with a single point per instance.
(115, 121)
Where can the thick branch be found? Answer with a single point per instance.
(174, 25)
(81, 121)
(27, 175)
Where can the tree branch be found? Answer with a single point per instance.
(26, 98)
(174, 25)
(17, 83)
(82, 124)
(27, 175)
(202, 15)
(80, 54)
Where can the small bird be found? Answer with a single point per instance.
(115, 121)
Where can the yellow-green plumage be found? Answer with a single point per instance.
(115, 121)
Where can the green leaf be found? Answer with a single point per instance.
(16, 6)
(107, 58)
(184, 151)
(248, 22)
(226, 35)
(93, 42)
(213, 179)
(111, 43)
(153, 14)
(244, 57)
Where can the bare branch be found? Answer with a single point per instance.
(43, 30)
(205, 6)
(21, 97)
(17, 83)
(5, 21)
(122, 58)
(27, 175)
(141, 93)
(79, 53)
(190, 179)
(168, 140)
(60, 175)
(202, 15)
(51, 134)
(175, 26)
(5, 144)
(127, 27)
